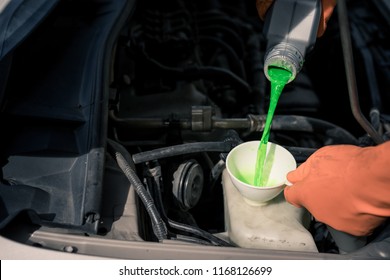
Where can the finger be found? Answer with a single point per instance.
(299, 174)
(327, 10)
(262, 7)
(292, 196)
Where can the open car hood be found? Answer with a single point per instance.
(18, 18)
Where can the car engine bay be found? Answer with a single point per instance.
(156, 93)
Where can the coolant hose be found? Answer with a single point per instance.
(181, 150)
(232, 139)
(307, 124)
(159, 227)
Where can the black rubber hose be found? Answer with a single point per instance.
(182, 149)
(158, 224)
(313, 125)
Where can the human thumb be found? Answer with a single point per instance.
(292, 195)
(298, 174)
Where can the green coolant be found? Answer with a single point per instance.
(248, 179)
(279, 78)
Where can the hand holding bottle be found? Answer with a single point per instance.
(327, 10)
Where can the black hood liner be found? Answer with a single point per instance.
(55, 112)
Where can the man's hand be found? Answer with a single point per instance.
(327, 10)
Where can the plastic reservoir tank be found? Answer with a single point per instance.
(276, 225)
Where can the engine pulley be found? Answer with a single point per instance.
(188, 184)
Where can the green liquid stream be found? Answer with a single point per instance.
(279, 78)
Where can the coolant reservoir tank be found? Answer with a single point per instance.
(276, 225)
